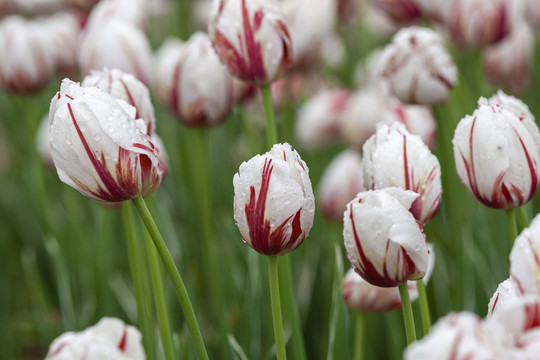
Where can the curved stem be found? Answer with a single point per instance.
(137, 265)
(175, 277)
(408, 319)
(424, 306)
(512, 227)
(271, 131)
(159, 297)
(359, 329)
(276, 307)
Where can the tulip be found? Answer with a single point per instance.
(110, 338)
(458, 336)
(116, 44)
(394, 157)
(418, 66)
(418, 119)
(318, 120)
(273, 201)
(340, 182)
(127, 87)
(31, 53)
(98, 146)
(497, 152)
(477, 23)
(399, 10)
(384, 243)
(524, 260)
(505, 295)
(508, 63)
(133, 12)
(360, 295)
(251, 38)
(518, 319)
(309, 25)
(191, 80)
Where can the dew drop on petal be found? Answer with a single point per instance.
(97, 137)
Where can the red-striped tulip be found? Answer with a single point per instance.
(193, 83)
(341, 181)
(460, 336)
(476, 23)
(385, 244)
(360, 295)
(497, 152)
(116, 44)
(251, 38)
(318, 121)
(418, 66)
(99, 147)
(110, 338)
(525, 260)
(394, 157)
(127, 87)
(508, 63)
(273, 201)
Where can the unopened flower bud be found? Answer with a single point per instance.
(110, 338)
(505, 294)
(273, 201)
(193, 83)
(524, 260)
(99, 147)
(418, 66)
(385, 244)
(251, 38)
(394, 157)
(497, 152)
(340, 182)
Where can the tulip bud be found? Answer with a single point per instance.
(125, 86)
(384, 243)
(418, 66)
(251, 38)
(309, 25)
(505, 295)
(318, 121)
(133, 12)
(360, 295)
(340, 183)
(456, 336)
(509, 62)
(110, 338)
(116, 44)
(418, 119)
(194, 84)
(476, 23)
(394, 157)
(524, 259)
(518, 318)
(273, 201)
(497, 152)
(98, 146)
(398, 10)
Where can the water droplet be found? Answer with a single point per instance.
(111, 129)
(97, 137)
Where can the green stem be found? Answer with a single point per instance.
(512, 227)
(175, 277)
(522, 217)
(276, 307)
(359, 335)
(290, 309)
(137, 265)
(271, 131)
(159, 297)
(408, 319)
(424, 306)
